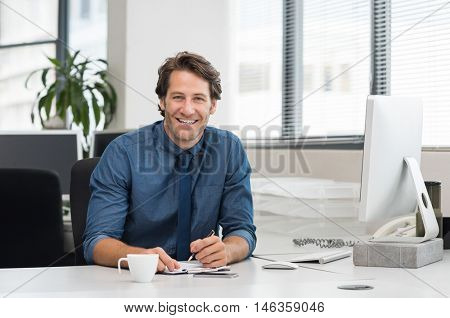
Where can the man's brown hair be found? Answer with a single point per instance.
(186, 61)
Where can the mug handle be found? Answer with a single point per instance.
(120, 261)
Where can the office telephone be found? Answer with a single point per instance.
(404, 226)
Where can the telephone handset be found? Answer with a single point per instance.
(399, 233)
(400, 227)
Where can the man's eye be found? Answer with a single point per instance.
(177, 97)
(199, 99)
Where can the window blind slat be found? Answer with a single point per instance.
(336, 66)
(259, 55)
(421, 64)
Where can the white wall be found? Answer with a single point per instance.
(141, 34)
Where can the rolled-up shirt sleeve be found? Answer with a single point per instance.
(236, 213)
(108, 206)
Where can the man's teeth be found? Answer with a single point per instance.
(190, 122)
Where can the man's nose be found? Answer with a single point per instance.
(188, 108)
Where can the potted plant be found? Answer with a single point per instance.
(76, 94)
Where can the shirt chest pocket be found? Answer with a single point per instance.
(206, 203)
(155, 200)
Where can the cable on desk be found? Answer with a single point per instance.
(324, 242)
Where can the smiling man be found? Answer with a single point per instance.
(164, 187)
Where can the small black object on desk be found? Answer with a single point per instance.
(446, 232)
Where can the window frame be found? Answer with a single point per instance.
(60, 42)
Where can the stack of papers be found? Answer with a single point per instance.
(322, 257)
(194, 267)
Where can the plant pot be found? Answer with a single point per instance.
(55, 122)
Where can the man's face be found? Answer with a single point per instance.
(187, 106)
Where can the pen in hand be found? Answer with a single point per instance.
(193, 254)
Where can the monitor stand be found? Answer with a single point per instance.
(425, 209)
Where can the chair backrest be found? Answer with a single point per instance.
(80, 194)
(31, 225)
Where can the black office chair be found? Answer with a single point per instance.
(31, 225)
(80, 194)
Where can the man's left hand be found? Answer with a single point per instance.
(210, 251)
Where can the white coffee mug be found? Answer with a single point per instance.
(142, 266)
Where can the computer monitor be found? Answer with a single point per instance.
(101, 140)
(393, 131)
(55, 150)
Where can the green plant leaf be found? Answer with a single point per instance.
(106, 103)
(48, 100)
(81, 70)
(41, 103)
(70, 59)
(96, 109)
(36, 99)
(54, 61)
(68, 90)
(85, 117)
(74, 57)
(60, 104)
(44, 76)
(75, 101)
(31, 74)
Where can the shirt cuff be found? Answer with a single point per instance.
(88, 247)
(246, 236)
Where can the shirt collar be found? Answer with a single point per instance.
(169, 146)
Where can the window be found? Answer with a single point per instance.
(259, 58)
(28, 32)
(335, 69)
(334, 53)
(88, 27)
(304, 66)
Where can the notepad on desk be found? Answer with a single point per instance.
(322, 257)
(194, 267)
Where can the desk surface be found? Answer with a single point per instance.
(253, 281)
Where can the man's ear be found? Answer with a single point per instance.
(213, 106)
(162, 104)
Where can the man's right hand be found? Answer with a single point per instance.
(108, 251)
(164, 259)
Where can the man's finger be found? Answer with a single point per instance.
(215, 264)
(210, 249)
(166, 259)
(214, 260)
(161, 266)
(194, 245)
(198, 245)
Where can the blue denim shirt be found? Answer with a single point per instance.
(135, 190)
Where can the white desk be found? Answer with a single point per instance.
(275, 234)
(95, 281)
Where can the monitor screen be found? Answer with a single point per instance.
(393, 132)
(48, 150)
(102, 139)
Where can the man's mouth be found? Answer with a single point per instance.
(187, 122)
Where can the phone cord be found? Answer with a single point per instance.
(324, 243)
